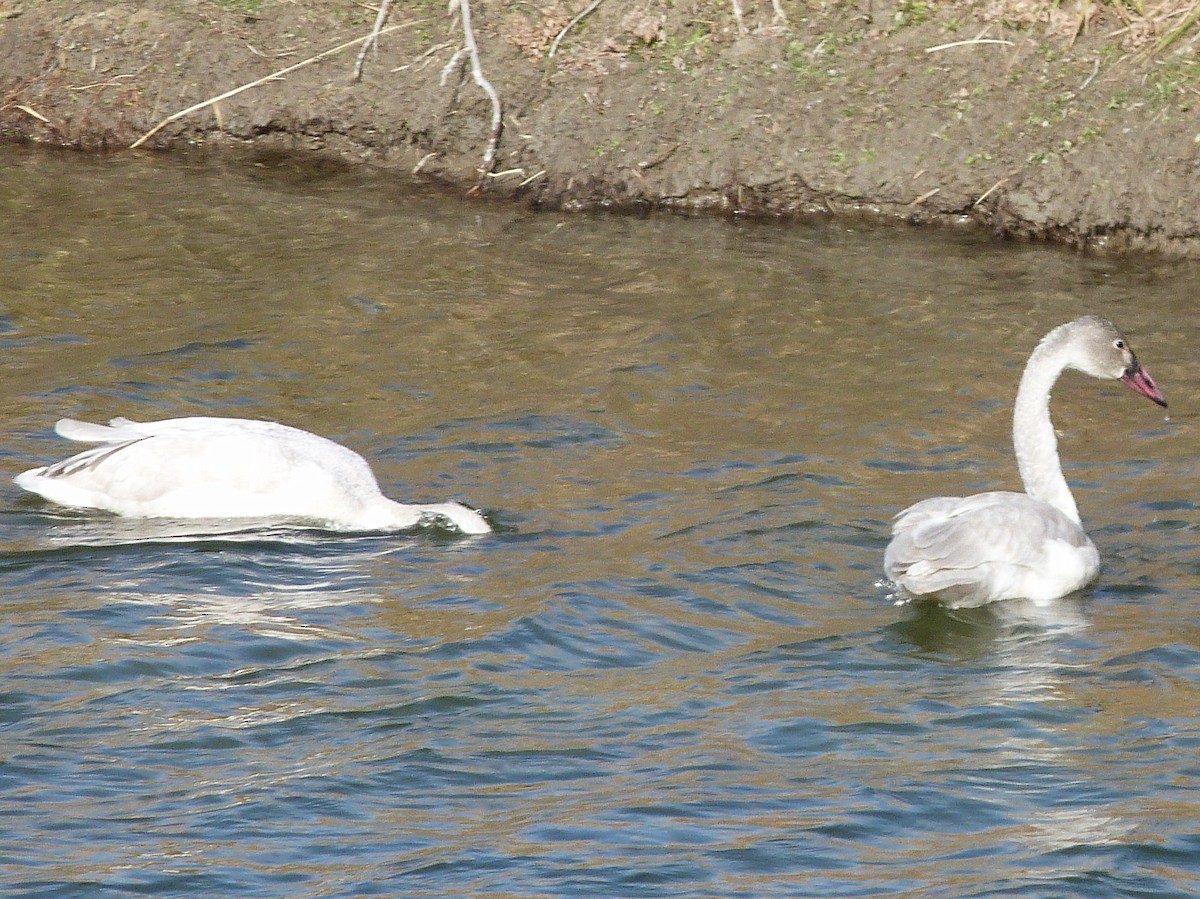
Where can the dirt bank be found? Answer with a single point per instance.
(1075, 129)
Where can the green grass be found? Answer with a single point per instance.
(1172, 83)
(696, 42)
(249, 7)
(912, 12)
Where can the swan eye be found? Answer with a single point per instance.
(1119, 344)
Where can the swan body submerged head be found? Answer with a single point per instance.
(231, 468)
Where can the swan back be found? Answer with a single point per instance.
(205, 467)
(967, 551)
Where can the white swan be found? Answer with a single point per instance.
(228, 468)
(967, 551)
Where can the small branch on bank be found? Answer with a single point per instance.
(1088, 80)
(472, 49)
(658, 160)
(114, 82)
(274, 76)
(987, 193)
(575, 21)
(975, 40)
(424, 56)
(372, 40)
(33, 112)
(925, 196)
(453, 64)
(738, 17)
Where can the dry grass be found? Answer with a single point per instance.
(1140, 24)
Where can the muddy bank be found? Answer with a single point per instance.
(1073, 130)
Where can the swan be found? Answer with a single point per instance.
(968, 551)
(204, 467)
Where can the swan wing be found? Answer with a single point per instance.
(968, 551)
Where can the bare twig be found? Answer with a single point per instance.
(421, 164)
(472, 48)
(33, 112)
(88, 87)
(373, 40)
(276, 54)
(974, 40)
(115, 81)
(575, 21)
(738, 17)
(274, 76)
(1095, 70)
(925, 196)
(428, 53)
(658, 160)
(987, 193)
(453, 64)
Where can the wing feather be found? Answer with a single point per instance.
(966, 551)
(85, 461)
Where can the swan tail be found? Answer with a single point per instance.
(88, 432)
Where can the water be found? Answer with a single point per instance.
(671, 671)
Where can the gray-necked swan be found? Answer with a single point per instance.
(228, 468)
(967, 551)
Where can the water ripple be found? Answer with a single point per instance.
(670, 671)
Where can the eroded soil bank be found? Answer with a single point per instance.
(1081, 128)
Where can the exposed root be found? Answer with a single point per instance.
(372, 40)
(463, 7)
(575, 21)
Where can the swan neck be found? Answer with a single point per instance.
(402, 516)
(1033, 433)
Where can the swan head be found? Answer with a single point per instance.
(1096, 347)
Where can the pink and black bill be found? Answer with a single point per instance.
(1139, 380)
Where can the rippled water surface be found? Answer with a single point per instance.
(671, 672)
